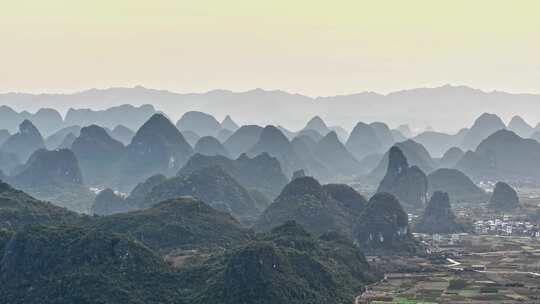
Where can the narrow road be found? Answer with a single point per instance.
(504, 252)
(453, 262)
(510, 272)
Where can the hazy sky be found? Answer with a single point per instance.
(310, 47)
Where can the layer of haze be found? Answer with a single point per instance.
(310, 47)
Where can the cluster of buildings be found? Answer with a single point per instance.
(436, 242)
(504, 225)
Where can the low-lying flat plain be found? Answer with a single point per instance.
(475, 269)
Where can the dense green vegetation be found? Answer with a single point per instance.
(214, 186)
(383, 228)
(408, 184)
(54, 176)
(44, 264)
(18, 209)
(158, 147)
(438, 216)
(120, 258)
(262, 172)
(504, 198)
(305, 201)
(458, 185)
(286, 265)
(73, 265)
(346, 196)
(5, 236)
(97, 153)
(183, 223)
(108, 202)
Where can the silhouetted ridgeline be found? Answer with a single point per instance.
(439, 107)
(236, 214)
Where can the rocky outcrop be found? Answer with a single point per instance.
(438, 216)
(383, 134)
(305, 148)
(55, 140)
(54, 176)
(210, 146)
(437, 143)
(243, 139)
(140, 192)
(214, 186)
(341, 133)
(363, 141)
(519, 126)
(305, 201)
(347, 196)
(47, 168)
(333, 154)
(25, 142)
(123, 134)
(383, 227)
(19, 210)
(47, 121)
(273, 142)
(483, 126)
(415, 153)
(107, 202)
(157, 148)
(199, 122)
(262, 172)
(85, 265)
(408, 184)
(504, 198)
(229, 124)
(458, 185)
(298, 174)
(184, 223)
(503, 155)
(97, 152)
(276, 144)
(289, 265)
(451, 157)
(318, 125)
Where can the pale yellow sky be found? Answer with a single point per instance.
(310, 47)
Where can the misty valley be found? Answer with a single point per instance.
(124, 205)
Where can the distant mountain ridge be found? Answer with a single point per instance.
(503, 155)
(293, 110)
